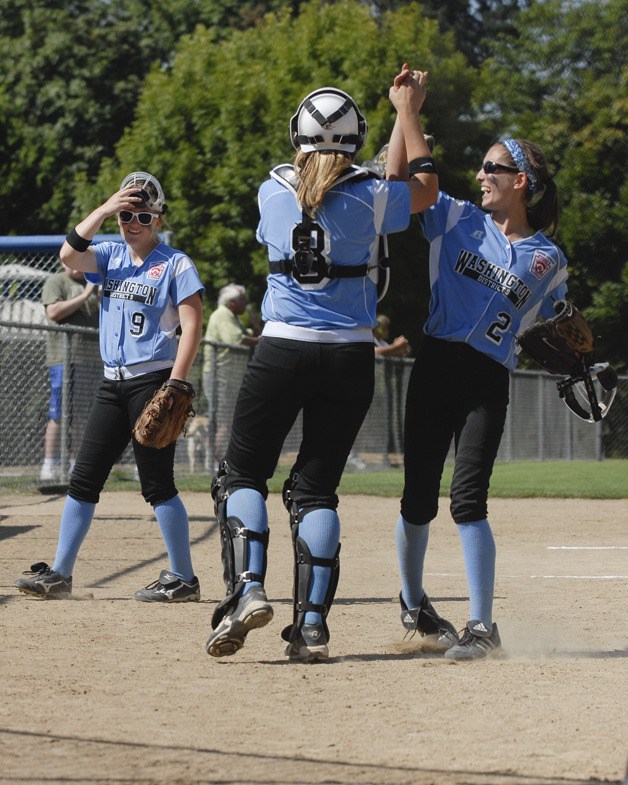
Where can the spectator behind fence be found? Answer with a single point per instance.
(69, 300)
(400, 347)
(393, 387)
(221, 383)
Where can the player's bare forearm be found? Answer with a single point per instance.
(191, 318)
(408, 142)
(397, 158)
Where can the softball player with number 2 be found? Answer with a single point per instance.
(492, 272)
(320, 220)
(149, 290)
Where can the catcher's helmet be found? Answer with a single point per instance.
(328, 119)
(149, 188)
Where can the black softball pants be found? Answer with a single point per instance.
(108, 431)
(332, 384)
(454, 392)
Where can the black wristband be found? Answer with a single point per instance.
(77, 242)
(424, 165)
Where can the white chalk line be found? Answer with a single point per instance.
(545, 577)
(587, 548)
(583, 577)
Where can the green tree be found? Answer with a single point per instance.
(216, 122)
(473, 23)
(72, 73)
(562, 83)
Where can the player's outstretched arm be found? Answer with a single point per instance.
(191, 319)
(408, 146)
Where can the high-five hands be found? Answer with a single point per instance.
(408, 90)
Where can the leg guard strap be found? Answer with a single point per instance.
(218, 490)
(303, 563)
(234, 541)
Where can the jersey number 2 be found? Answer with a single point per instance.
(497, 329)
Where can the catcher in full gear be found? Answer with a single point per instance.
(149, 290)
(320, 220)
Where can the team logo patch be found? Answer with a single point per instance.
(541, 264)
(156, 272)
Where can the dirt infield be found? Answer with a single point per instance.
(108, 690)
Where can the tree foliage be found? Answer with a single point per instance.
(217, 121)
(562, 83)
(72, 73)
(201, 91)
(473, 23)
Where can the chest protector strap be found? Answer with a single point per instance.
(306, 266)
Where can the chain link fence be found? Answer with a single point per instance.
(539, 425)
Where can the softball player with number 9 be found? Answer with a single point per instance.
(149, 290)
(492, 272)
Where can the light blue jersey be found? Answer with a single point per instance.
(346, 232)
(138, 310)
(485, 289)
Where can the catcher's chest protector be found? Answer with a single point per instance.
(309, 265)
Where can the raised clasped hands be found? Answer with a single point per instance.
(408, 89)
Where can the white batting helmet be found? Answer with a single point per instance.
(150, 189)
(328, 119)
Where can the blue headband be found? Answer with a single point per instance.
(523, 165)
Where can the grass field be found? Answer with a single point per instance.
(520, 479)
(516, 480)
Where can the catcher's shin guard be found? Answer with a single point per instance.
(303, 563)
(234, 541)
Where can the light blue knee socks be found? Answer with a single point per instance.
(75, 522)
(249, 506)
(478, 548)
(411, 544)
(320, 531)
(172, 518)
(175, 529)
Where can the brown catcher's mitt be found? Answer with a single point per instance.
(560, 344)
(164, 417)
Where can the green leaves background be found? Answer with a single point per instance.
(201, 92)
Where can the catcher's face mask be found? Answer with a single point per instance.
(149, 189)
(582, 397)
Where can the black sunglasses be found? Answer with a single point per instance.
(490, 167)
(146, 219)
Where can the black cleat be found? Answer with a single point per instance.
(477, 643)
(44, 582)
(252, 611)
(440, 634)
(169, 588)
(310, 645)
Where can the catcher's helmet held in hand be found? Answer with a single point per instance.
(328, 119)
(149, 189)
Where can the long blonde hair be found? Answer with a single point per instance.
(317, 172)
